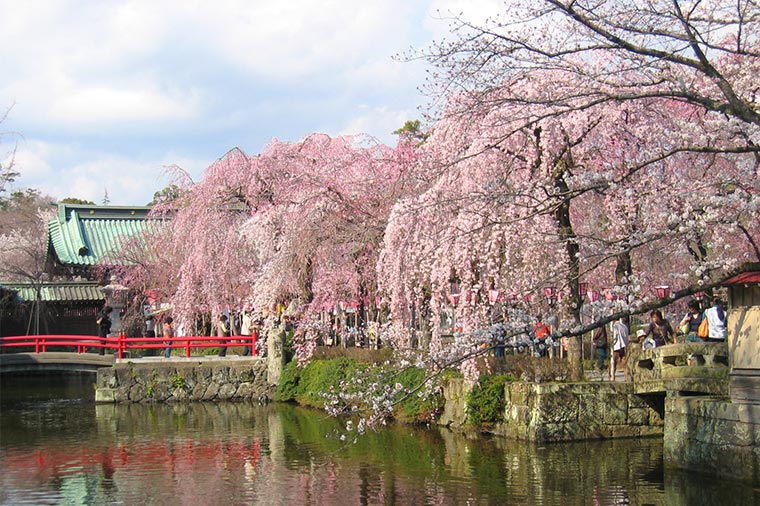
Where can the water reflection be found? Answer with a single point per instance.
(70, 451)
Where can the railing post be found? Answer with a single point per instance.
(187, 348)
(121, 345)
(36, 344)
(254, 338)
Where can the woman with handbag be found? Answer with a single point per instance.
(690, 324)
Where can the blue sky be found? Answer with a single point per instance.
(105, 94)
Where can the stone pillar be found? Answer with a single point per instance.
(116, 325)
(275, 354)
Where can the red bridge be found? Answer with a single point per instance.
(82, 353)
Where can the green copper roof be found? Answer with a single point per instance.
(85, 234)
(56, 291)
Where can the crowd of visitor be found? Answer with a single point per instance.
(610, 345)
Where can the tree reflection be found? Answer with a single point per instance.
(238, 453)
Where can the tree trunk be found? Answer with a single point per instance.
(623, 272)
(572, 249)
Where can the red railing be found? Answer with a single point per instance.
(123, 344)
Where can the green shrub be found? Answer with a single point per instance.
(419, 406)
(178, 381)
(485, 403)
(310, 384)
(287, 389)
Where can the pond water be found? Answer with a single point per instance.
(58, 447)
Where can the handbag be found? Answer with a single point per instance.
(704, 328)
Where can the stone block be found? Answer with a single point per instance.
(196, 394)
(649, 430)
(162, 390)
(247, 375)
(732, 433)
(637, 401)
(125, 375)
(106, 378)
(590, 411)
(517, 393)
(638, 416)
(104, 395)
(143, 375)
(137, 392)
(220, 375)
(596, 431)
(210, 393)
(226, 391)
(202, 374)
(625, 431)
(244, 391)
(121, 393)
(615, 409)
(559, 407)
(557, 432)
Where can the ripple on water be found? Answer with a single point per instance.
(68, 451)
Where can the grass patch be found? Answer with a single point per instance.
(310, 384)
(485, 403)
(365, 355)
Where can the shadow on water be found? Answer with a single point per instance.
(57, 446)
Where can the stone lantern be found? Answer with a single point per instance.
(116, 297)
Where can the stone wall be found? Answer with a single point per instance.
(455, 392)
(553, 412)
(713, 435)
(198, 381)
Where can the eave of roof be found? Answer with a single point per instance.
(65, 291)
(85, 234)
(744, 278)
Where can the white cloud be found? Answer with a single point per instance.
(103, 104)
(83, 64)
(381, 120)
(107, 93)
(62, 170)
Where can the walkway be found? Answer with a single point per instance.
(53, 361)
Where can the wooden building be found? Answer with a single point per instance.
(744, 335)
(83, 241)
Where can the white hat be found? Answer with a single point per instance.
(641, 333)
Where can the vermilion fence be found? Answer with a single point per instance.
(122, 344)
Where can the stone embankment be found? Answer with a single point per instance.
(190, 381)
(554, 412)
(713, 435)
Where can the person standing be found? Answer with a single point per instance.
(541, 332)
(149, 331)
(168, 334)
(599, 340)
(716, 320)
(691, 322)
(619, 346)
(223, 330)
(246, 330)
(660, 329)
(104, 327)
(150, 326)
